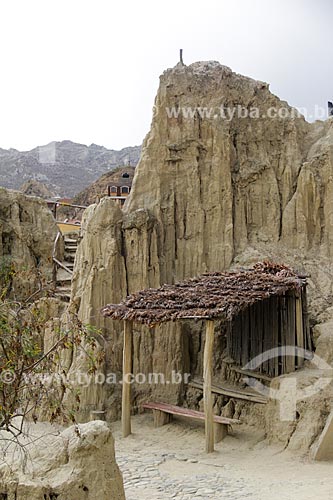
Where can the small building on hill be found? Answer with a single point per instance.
(120, 185)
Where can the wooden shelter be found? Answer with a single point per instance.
(262, 307)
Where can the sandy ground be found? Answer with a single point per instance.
(169, 462)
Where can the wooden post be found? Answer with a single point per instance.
(127, 370)
(54, 275)
(207, 386)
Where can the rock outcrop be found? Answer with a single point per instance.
(27, 234)
(75, 464)
(35, 188)
(209, 192)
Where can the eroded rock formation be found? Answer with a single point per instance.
(75, 464)
(27, 234)
(208, 193)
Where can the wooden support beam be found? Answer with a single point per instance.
(232, 392)
(250, 373)
(127, 370)
(207, 386)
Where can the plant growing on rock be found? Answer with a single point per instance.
(32, 380)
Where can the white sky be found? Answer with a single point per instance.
(88, 70)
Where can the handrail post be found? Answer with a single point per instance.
(127, 370)
(207, 386)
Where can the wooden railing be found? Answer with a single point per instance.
(56, 261)
(56, 204)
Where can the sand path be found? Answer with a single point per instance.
(169, 462)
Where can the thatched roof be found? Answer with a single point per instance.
(210, 296)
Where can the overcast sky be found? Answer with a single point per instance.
(88, 70)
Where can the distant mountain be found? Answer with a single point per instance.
(65, 168)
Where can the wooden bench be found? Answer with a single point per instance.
(163, 412)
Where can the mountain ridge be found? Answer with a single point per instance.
(65, 167)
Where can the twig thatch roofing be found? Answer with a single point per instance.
(210, 296)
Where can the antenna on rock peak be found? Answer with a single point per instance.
(330, 108)
(181, 56)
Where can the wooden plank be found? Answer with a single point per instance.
(267, 306)
(283, 333)
(274, 334)
(231, 393)
(229, 338)
(236, 340)
(60, 264)
(64, 204)
(257, 327)
(207, 386)
(306, 326)
(245, 337)
(127, 370)
(250, 373)
(291, 334)
(270, 333)
(299, 330)
(262, 325)
(279, 332)
(65, 227)
(187, 412)
(251, 335)
(254, 314)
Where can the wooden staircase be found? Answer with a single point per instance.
(64, 270)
